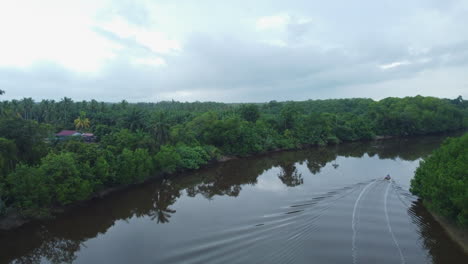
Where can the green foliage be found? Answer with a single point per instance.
(212, 152)
(249, 112)
(234, 136)
(168, 159)
(314, 129)
(82, 122)
(124, 138)
(28, 137)
(442, 180)
(134, 119)
(192, 157)
(95, 160)
(8, 156)
(101, 130)
(27, 190)
(289, 114)
(136, 141)
(171, 159)
(65, 178)
(102, 173)
(161, 130)
(144, 164)
(415, 116)
(124, 173)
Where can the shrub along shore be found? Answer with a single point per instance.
(39, 171)
(441, 181)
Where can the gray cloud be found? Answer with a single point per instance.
(331, 50)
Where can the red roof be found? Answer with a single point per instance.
(65, 133)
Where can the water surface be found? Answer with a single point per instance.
(322, 205)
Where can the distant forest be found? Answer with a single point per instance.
(39, 171)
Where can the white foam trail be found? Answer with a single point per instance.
(353, 222)
(397, 193)
(390, 227)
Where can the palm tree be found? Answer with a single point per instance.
(161, 129)
(82, 121)
(2, 92)
(65, 108)
(16, 108)
(46, 109)
(28, 105)
(134, 119)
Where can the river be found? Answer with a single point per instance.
(321, 205)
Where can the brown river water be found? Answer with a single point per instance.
(321, 205)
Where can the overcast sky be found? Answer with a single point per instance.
(232, 51)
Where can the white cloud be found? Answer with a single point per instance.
(272, 22)
(275, 42)
(154, 40)
(183, 95)
(394, 64)
(36, 32)
(149, 61)
(32, 32)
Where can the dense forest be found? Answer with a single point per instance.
(442, 180)
(39, 171)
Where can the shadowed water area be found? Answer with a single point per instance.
(321, 205)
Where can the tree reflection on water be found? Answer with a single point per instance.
(433, 236)
(290, 176)
(165, 196)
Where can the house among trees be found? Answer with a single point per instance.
(65, 134)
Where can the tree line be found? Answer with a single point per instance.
(136, 141)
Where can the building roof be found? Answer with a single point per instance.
(66, 133)
(87, 135)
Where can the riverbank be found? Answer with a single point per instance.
(455, 232)
(14, 220)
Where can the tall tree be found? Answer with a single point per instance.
(135, 119)
(65, 109)
(28, 104)
(161, 129)
(289, 114)
(46, 111)
(8, 156)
